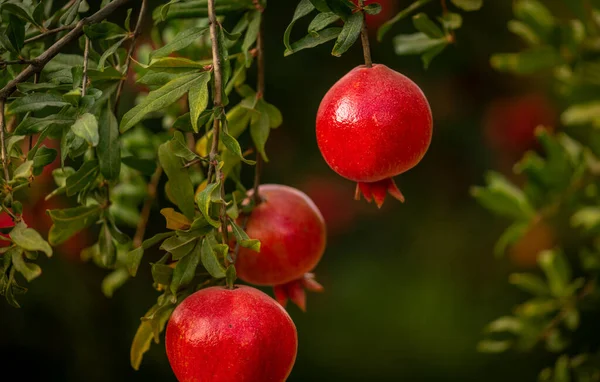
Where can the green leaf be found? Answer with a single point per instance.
(161, 98)
(114, 281)
(19, 11)
(321, 5)
(145, 166)
(304, 8)
(145, 333)
(417, 43)
(182, 40)
(198, 99)
(254, 20)
(162, 274)
(210, 261)
(491, 346)
(349, 34)
(468, 5)
(134, 257)
(242, 238)
(86, 127)
(43, 157)
(31, 125)
(185, 270)
(24, 170)
(528, 61)
(505, 324)
(109, 150)
(69, 221)
(503, 198)
(29, 239)
(232, 145)
(322, 21)
(203, 200)
(557, 270)
(587, 218)
(29, 270)
(582, 114)
(104, 31)
(180, 148)
(35, 102)
(425, 25)
(311, 41)
(86, 174)
(536, 16)
(109, 52)
(372, 9)
(16, 32)
(401, 15)
(561, 369)
(259, 131)
(106, 248)
(182, 189)
(510, 236)
(173, 63)
(530, 283)
(179, 246)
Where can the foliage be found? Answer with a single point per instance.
(560, 184)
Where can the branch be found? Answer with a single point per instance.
(260, 93)
(16, 62)
(3, 142)
(49, 33)
(86, 54)
(140, 230)
(58, 46)
(364, 36)
(218, 103)
(136, 32)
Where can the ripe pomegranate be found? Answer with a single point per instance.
(231, 335)
(292, 234)
(373, 124)
(510, 123)
(388, 10)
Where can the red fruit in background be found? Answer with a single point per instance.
(231, 335)
(373, 124)
(389, 8)
(328, 194)
(292, 234)
(539, 237)
(5, 222)
(510, 123)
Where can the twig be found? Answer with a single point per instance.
(364, 36)
(86, 54)
(136, 32)
(3, 142)
(16, 62)
(218, 103)
(260, 93)
(49, 33)
(58, 46)
(140, 230)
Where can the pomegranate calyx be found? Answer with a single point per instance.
(296, 290)
(378, 191)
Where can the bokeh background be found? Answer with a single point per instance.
(409, 287)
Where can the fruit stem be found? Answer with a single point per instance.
(364, 36)
(218, 103)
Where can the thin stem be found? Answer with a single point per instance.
(16, 62)
(260, 87)
(444, 7)
(86, 54)
(38, 64)
(136, 32)
(364, 36)
(218, 105)
(49, 33)
(140, 231)
(3, 142)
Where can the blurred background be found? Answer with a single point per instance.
(408, 288)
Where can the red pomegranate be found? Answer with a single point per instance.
(373, 124)
(292, 234)
(5, 222)
(231, 335)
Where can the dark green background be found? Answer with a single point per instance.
(408, 288)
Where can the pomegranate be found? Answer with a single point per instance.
(5, 222)
(373, 124)
(540, 236)
(231, 335)
(292, 234)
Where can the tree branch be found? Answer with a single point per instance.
(58, 46)
(3, 142)
(136, 32)
(49, 33)
(86, 55)
(260, 92)
(140, 230)
(218, 103)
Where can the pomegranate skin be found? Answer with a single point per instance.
(292, 234)
(373, 124)
(231, 335)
